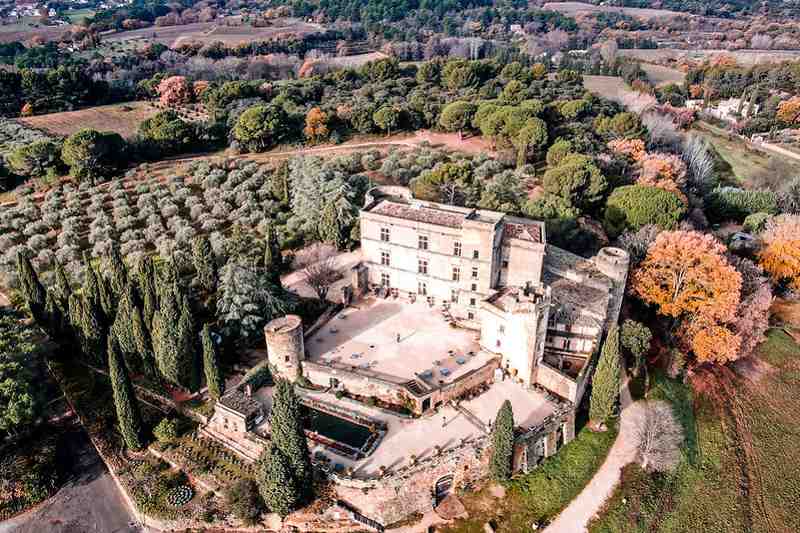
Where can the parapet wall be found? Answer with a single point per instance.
(561, 384)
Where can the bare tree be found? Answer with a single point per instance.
(663, 132)
(318, 265)
(699, 161)
(608, 50)
(659, 435)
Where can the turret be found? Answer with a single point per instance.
(285, 347)
(614, 263)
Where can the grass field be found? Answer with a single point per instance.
(741, 464)
(575, 8)
(218, 30)
(660, 75)
(29, 27)
(77, 15)
(121, 118)
(739, 163)
(743, 57)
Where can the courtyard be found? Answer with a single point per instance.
(407, 437)
(401, 339)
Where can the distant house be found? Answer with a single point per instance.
(729, 110)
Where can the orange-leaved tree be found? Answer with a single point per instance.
(712, 342)
(686, 273)
(633, 148)
(175, 90)
(665, 171)
(789, 110)
(316, 124)
(780, 251)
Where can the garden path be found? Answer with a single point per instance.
(590, 501)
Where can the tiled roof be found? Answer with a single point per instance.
(239, 402)
(522, 231)
(420, 213)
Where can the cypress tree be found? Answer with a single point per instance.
(286, 433)
(214, 381)
(122, 328)
(118, 274)
(503, 444)
(606, 380)
(173, 339)
(31, 289)
(273, 261)
(203, 259)
(91, 284)
(275, 482)
(146, 277)
(330, 226)
(62, 286)
(108, 300)
(55, 327)
(144, 345)
(128, 417)
(85, 320)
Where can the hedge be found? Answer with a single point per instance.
(732, 203)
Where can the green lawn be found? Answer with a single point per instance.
(740, 469)
(540, 495)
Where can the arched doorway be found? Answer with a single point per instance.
(443, 487)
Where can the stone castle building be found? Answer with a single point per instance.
(488, 311)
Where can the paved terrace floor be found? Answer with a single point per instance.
(405, 437)
(366, 336)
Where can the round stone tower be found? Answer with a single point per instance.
(614, 262)
(285, 348)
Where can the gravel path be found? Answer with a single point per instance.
(576, 516)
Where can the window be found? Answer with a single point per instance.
(472, 302)
(501, 330)
(423, 242)
(565, 344)
(385, 234)
(470, 315)
(474, 287)
(454, 295)
(423, 266)
(456, 274)
(422, 288)
(286, 360)
(475, 254)
(385, 280)
(505, 263)
(457, 249)
(385, 258)
(474, 272)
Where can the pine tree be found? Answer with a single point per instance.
(286, 433)
(146, 277)
(275, 482)
(503, 444)
(214, 380)
(203, 259)
(128, 417)
(606, 380)
(31, 289)
(118, 274)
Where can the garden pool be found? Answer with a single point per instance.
(338, 429)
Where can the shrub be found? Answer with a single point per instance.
(732, 203)
(633, 206)
(167, 430)
(244, 501)
(756, 222)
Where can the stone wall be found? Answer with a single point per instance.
(355, 382)
(395, 496)
(553, 380)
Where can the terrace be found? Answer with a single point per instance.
(400, 340)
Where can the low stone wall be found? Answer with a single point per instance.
(355, 382)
